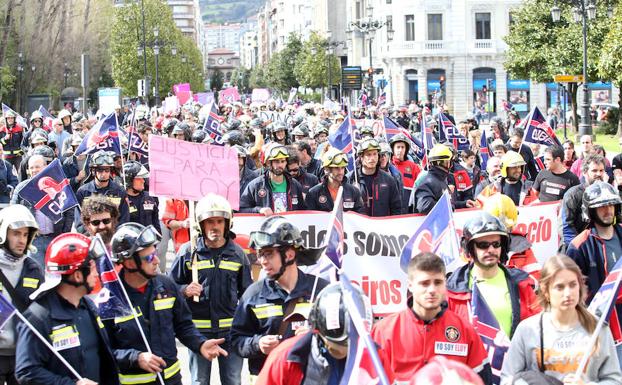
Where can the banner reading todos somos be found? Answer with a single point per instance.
(373, 245)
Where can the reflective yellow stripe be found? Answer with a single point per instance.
(225, 322)
(207, 324)
(63, 333)
(172, 370)
(202, 323)
(201, 265)
(164, 303)
(100, 323)
(268, 311)
(32, 283)
(303, 308)
(133, 379)
(230, 265)
(118, 320)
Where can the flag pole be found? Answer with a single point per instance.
(356, 176)
(193, 246)
(594, 338)
(47, 344)
(134, 313)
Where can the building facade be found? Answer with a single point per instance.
(224, 36)
(223, 60)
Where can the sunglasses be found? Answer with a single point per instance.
(102, 169)
(149, 258)
(483, 245)
(97, 222)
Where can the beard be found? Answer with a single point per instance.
(107, 235)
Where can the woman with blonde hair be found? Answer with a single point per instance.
(553, 342)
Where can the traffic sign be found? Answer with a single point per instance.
(351, 78)
(568, 78)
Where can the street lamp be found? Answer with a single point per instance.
(330, 49)
(20, 70)
(156, 52)
(368, 26)
(581, 12)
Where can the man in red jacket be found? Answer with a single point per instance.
(400, 146)
(411, 337)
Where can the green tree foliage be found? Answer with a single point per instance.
(241, 79)
(257, 77)
(7, 82)
(539, 49)
(217, 80)
(126, 36)
(311, 68)
(610, 63)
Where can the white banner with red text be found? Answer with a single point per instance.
(373, 245)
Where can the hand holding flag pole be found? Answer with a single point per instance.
(98, 243)
(7, 310)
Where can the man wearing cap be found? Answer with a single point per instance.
(19, 277)
(381, 196)
(274, 191)
(322, 196)
(262, 318)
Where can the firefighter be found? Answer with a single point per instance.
(224, 275)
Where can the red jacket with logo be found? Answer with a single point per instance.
(409, 343)
(409, 170)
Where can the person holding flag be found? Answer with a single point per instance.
(322, 196)
(261, 318)
(20, 275)
(597, 248)
(318, 356)
(101, 166)
(163, 316)
(66, 318)
(553, 342)
(223, 276)
(509, 292)
(381, 196)
(411, 337)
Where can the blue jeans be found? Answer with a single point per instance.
(230, 367)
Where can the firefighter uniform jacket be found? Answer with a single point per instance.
(144, 210)
(261, 311)
(224, 277)
(113, 191)
(164, 316)
(75, 332)
(258, 194)
(409, 343)
(319, 198)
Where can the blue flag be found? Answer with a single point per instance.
(363, 365)
(538, 131)
(426, 134)
(6, 310)
(103, 136)
(437, 234)
(604, 301)
(50, 192)
(136, 144)
(19, 119)
(539, 163)
(48, 119)
(493, 337)
(450, 133)
(341, 139)
(484, 152)
(334, 250)
(391, 129)
(111, 302)
(213, 125)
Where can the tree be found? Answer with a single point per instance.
(312, 63)
(257, 79)
(539, 49)
(126, 37)
(217, 80)
(610, 63)
(241, 78)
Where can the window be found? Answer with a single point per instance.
(410, 27)
(389, 22)
(358, 10)
(482, 25)
(435, 26)
(389, 1)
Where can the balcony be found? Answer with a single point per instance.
(483, 44)
(426, 47)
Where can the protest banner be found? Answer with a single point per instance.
(373, 246)
(275, 116)
(184, 97)
(181, 87)
(184, 170)
(171, 104)
(260, 95)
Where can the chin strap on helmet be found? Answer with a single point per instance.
(284, 264)
(139, 269)
(85, 269)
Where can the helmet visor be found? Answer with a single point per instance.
(279, 152)
(147, 237)
(481, 227)
(261, 239)
(337, 160)
(103, 160)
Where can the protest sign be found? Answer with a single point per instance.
(171, 104)
(184, 170)
(373, 246)
(260, 95)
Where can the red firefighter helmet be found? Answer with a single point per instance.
(440, 371)
(67, 253)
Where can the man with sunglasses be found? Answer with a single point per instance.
(322, 196)
(275, 191)
(163, 313)
(100, 216)
(64, 313)
(223, 276)
(261, 319)
(298, 172)
(102, 165)
(509, 292)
